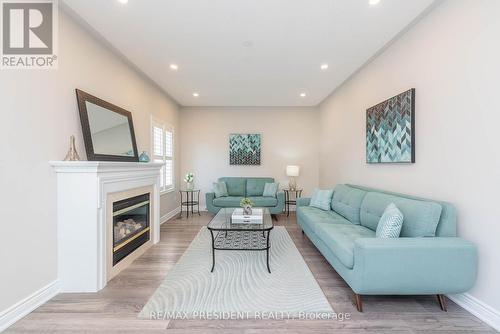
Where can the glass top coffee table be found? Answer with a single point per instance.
(229, 236)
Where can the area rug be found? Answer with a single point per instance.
(240, 286)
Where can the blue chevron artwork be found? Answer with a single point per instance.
(244, 149)
(390, 130)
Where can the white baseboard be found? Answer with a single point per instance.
(476, 307)
(28, 305)
(170, 215)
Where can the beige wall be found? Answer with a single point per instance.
(288, 135)
(39, 113)
(452, 58)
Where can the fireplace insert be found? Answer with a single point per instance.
(131, 227)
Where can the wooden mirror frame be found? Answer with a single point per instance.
(83, 97)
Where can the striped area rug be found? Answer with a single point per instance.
(240, 286)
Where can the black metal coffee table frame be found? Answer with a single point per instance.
(228, 238)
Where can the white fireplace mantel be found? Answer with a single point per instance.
(83, 188)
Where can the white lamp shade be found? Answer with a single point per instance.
(292, 170)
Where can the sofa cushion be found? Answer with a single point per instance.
(340, 239)
(235, 185)
(347, 201)
(312, 217)
(420, 217)
(321, 199)
(228, 202)
(264, 201)
(255, 185)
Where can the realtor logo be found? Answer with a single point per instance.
(29, 34)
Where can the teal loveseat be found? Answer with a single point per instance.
(241, 187)
(427, 258)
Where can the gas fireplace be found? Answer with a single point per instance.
(131, 226)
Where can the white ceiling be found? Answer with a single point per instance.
(248, 53)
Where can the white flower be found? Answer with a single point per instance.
(189, 177)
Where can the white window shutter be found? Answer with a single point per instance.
(163, 151)
(157, 141)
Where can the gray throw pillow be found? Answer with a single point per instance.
(321, 199)
(220, 189)
(270, 189)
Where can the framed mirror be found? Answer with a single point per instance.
(108, 130)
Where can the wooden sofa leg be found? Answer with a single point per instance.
(359, 302)
(274, 217)
(442, 302)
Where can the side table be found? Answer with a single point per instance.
(289, 200)
(192, 199)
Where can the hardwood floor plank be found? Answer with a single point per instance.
(115, 308)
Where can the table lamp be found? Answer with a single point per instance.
(292, 172)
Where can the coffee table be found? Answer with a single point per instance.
(228, 236)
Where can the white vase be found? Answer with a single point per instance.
(190, 185)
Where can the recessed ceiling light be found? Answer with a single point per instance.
(195, 94)
(324, 67)
(373, 2)
(123, 1)
(174, 67)
(303, 94)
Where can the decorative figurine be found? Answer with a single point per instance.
(72, 153)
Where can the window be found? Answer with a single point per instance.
(163, 151)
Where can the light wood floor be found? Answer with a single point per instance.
(115, 308)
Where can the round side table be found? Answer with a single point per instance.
(192, 199)
(289, 200)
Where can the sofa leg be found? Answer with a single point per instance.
(359, 302)
(274, 217)
(442, 302)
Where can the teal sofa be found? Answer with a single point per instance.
(241, 187)
(427, 258)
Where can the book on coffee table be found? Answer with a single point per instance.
(238, 217)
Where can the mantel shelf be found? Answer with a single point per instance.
(102, 166)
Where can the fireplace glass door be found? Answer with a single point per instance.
(131, 227)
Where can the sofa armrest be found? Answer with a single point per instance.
(209, 201)
(281, 199)
(415, 265)
(303, 201)
(275, 210)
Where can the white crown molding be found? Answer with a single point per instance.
(22, 308)
(478, 308)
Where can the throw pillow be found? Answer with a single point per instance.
(220, 189)
(321, 199)
(270, 189)
(391, 222)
